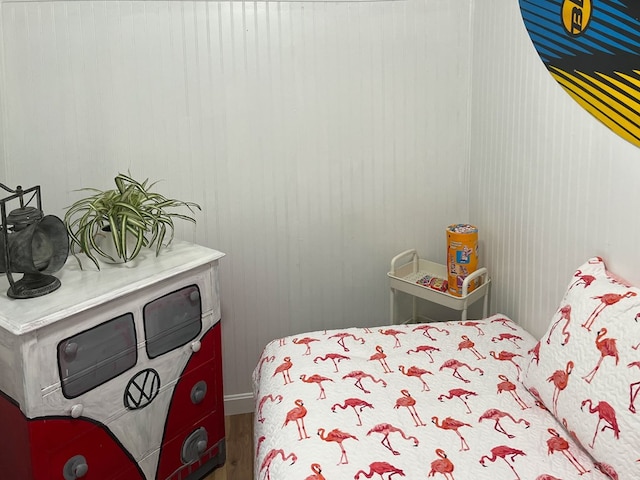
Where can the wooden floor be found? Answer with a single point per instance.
(239, 442)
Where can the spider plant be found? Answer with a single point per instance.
(130, 210)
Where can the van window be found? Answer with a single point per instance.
(97, 355)
(172, 320)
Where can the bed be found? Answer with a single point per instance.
(459, 400)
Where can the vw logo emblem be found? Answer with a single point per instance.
(142, 389)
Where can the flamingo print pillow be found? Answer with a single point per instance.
(586, 367)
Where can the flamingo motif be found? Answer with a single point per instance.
(336, 358)
(297, 414)
(317, 472)
(565, 314)
(455, 365)
(271, 456)
(359, 375)
(582, 279)
(426, 349)
(506, 386)
(410, 403)
(496, 415)
(264, 360)
(381, 357)
(469, 345)
(425, 331)
(634, 386)
(606, 413)
(453, 424)
(475, 325)
(535, 353)
(337, 436)
(558, 444)
(505, 356)
(607, 347)
(505, 322)
(606, 300)
(318, 379)
(442, 465)
(394, 333)
(263, 400)
(503, 452)
(460, 393)
(342, 336)
(509, 337)
(607, 470)
(417, 372)
(261, 439)
(306, 341)
(380, 468)
(284, 368)
(354, 403)
(560, 379)
(387, 429)
(546, 476)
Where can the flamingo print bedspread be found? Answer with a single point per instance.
(434, 400)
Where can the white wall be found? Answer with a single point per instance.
(321, 138)
(550, 186)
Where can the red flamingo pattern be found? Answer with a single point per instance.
(387, 429)
(507, 386)
(336, 358)
(407, 401)
(454, 365)
(605, 413)
(558, 444)
(428, 349)
(607, 348)
(297, 415)
(455, 425)
(505, 322)
(460, 393)
(277, 398)
(342, 336)
(505, 453)
(560, 379)
(359, 375)
(476, 325)
(599, 314)
(270, 457)
(497, 415)
(284, 368)
(357, 404)
(417, 372)
(380, 468)
(442, 465)
(317, 379)
(633, 389)
(509, 337)
(337, 436)
(426, 328)
(564, 314)
(370, 420)
(380, 356)
(306, 341)
(394, 333)
(467, 344)
(606, 300)
(316, 468)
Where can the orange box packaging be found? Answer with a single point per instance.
(462, 256)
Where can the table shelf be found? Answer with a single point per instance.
(404, 277)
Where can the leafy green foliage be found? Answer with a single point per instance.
(132, 208)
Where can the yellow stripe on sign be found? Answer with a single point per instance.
(630, 106)
(630, 79)
(594, 105)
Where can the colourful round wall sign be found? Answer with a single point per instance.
(592, 49)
